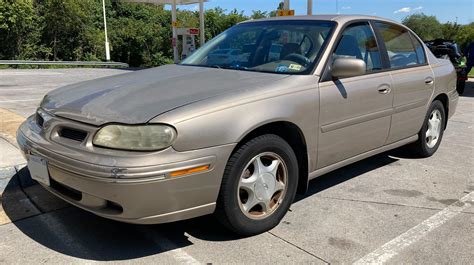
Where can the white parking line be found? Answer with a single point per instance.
(178, 254)
(393, 247)
(28, 72)
(20, 100)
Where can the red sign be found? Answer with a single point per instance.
(193, 31)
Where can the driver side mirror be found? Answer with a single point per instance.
(348, 67)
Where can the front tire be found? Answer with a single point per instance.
(258, 186)
(431, 134)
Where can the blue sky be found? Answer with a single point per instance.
(445, 10)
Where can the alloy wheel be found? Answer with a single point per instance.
(262, 185)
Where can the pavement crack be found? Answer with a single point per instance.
(465, 122)
(300, 248)
(388, 203)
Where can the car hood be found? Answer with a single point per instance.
(136, 98)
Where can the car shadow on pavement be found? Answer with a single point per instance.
(348, 172)
(468, 90)
(77, 233)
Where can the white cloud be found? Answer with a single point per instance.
(407, 10)
(403, 10)
(346, 7)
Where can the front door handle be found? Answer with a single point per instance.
(429, 81)
(384, 90)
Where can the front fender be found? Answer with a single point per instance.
(226, 120)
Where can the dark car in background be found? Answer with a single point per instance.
(449, 50)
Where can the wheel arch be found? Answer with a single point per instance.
(443, 98)
(294, 136)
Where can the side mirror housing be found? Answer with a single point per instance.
(347, 67)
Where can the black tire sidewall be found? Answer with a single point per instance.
(239, 222)
(425, 150)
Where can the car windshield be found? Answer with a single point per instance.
(283, 46)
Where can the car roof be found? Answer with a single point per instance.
(329, 17)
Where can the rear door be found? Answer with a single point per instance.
(413, 79)
(354, 112)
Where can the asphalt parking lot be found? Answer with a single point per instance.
(391, 208)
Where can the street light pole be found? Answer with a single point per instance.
(202, 27)
(107, 47)
(175, 32)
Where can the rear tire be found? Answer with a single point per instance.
(258, 186)
(431, 134)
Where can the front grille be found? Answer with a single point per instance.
(39, 120)
(73, 134)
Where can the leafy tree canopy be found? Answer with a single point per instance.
(139, 34)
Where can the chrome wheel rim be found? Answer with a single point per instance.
(434, 128)
(262, 185)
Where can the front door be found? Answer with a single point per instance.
(355, 112)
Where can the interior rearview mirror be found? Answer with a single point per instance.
(347, 67)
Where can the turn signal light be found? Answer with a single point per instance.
(188, 171)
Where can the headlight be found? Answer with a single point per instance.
(136, 138)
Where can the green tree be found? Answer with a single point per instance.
(257, 14)
(20, 30)
(217, 20)
(465, 36)
(274, 13)
(427, 27)
(70, 29)
(451, 30)
(140, 34)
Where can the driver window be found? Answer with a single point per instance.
(358, 41)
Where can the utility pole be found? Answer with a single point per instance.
(310, 7)
(175, 32)
(202, 36)
(107, 46)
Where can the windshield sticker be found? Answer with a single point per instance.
(295, 67)
(281, 68)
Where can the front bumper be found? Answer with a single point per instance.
(129, 186)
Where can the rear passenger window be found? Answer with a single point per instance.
(398, 42)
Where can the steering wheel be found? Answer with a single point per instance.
(298, 58)
(398, 57)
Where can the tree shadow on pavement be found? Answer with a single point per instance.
(77, 233)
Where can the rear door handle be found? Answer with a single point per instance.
(429, 81)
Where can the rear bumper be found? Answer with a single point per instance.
(453, 102)
(141, 194)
